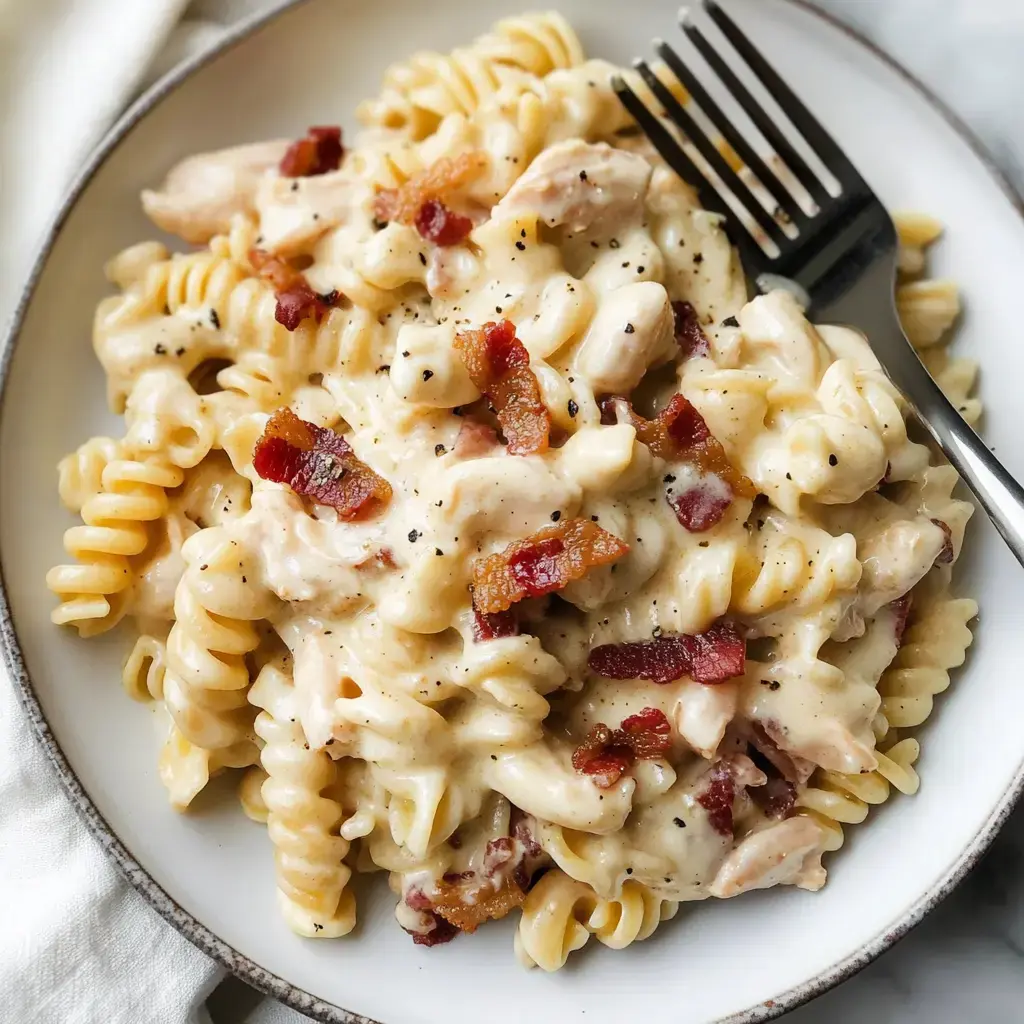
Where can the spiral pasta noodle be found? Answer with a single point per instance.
(419, 93)
(207, 679)
(560, 914)
(92, 592)
(303, 822)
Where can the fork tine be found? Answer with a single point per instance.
(765, 125)
(707, 149)
(803, 120)
(750, 251)
(747, 153)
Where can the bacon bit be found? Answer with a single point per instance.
(318, 152)
(416, 899)
(776, 797)
(946, 555)
(901, 612)
(319, 464)
(690, 337)
(717, 798)
(475, 439)
(295, 299)
(499, 366)
(442, 932)
(679, 434)
(607, 754)
(542, 563)
(710, 657)
(494, 626)
(433, 185)
(468, 917)
(440, 225)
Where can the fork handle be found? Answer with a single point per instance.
(1000, 495)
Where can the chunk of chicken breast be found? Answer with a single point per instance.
(202, 193)
(577, 184)
(785, 853)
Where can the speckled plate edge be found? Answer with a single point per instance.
(136, 874)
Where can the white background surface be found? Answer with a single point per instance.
(964, 962)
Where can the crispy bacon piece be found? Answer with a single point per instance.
(319, 464)
(718, 796)
(946, 555)
(495, 625)
(542, 563)
(467, 917)
(443, 931)
(318, 152)
(295, 299)
(438, 224)
(607, 754)
(499, 366)
(901, 610)
(439, 181)
(690, 336)
(710, 657)
(679, 434)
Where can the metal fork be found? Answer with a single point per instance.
(842, 255)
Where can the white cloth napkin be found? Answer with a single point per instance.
(77, 945)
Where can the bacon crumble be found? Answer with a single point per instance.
(318, 152)
(542, 563)
(710, 657)
(296, 300)
(679, 434)
(420, 202)
(690, 337)
(319, 464)
(718, 796)
(495, 625)
(499, 366)
(607, 754)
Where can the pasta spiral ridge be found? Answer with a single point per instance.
(935, 642)
(560, 914)
(207, 678)
(92, 592)
(418, 94)
(302, 821)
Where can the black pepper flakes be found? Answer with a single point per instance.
(630, 328)
(730, 321)
(679, 823)
(833, 461)
(215, 319)
(521, 246)
(640, 270)
(614, 244)
(583, 175)
(439, 450)
(438, 552)
(698, 258)
(573, 408)
(159, 350)
(414, 535)
(423, 258)
(427, 374)
(555, 516)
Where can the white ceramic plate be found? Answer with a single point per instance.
(211, 872)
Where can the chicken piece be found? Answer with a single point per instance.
(632, 330)
(896, 559)
(202, 193)
(786, 853)
(295, 212)
(703, 713)
(578, 184)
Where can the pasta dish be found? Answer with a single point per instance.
(469, 511)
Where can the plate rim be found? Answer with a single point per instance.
(134, 873)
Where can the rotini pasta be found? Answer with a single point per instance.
(471, 513)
